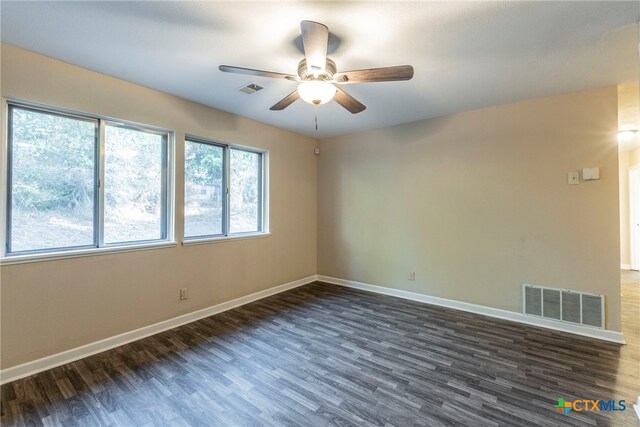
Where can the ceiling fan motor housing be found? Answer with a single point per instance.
(307, 74)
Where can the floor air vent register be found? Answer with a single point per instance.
(564, 305)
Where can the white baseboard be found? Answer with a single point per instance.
(586, 331)
(625, 266)
(26, 369)
(48, 362)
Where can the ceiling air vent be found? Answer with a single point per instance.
(250, 88)
(563, 305)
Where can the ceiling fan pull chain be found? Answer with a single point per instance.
(315, 113)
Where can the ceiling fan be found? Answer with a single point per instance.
(318, 77)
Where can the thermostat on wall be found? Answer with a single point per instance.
(589, 174)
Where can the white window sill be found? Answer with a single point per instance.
(203, 241)
(21, 259)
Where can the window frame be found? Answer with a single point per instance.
(165, 149)
(98, 246)
(260, 192)
(263, 224)
(225, 188)
(9, 181)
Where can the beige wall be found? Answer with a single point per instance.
(628, 159)
(623, 171)
(629, 106)
(477, 203)
(628, 118)
(634, 156)
(48, 307)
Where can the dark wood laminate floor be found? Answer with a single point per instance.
(325, 355)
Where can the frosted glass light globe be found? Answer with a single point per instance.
(316, 91)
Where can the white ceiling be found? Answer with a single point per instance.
(466, 55)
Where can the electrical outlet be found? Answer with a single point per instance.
(183, 294)
(412, 276)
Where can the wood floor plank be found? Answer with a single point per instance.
(323, 355)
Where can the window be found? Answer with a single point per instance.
(52, 181)
(204, 189)
(63, 194)
(223, 190)
(134, 185)
(244, 192)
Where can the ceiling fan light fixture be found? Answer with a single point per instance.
(317, 75)
(316, 92)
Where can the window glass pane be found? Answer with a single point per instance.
(203, 189)
(134, 202)
(244, 191)
(52, 181)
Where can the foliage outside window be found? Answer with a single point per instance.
(68, 188)
(204, 190)
(52, 181)
(134, 185)
(223, 190)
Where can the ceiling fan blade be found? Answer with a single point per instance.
(252, 72)
(349, 102)
(385, 74)
(315, 38)
(286, 101)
